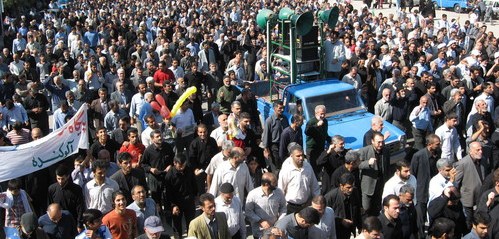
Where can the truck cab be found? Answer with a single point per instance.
(345, 112)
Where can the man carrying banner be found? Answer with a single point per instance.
(46, 151)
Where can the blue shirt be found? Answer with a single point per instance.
(17, 113)
(61, 36)
(59, 117)
(441, 63)
(63, 229)
(194, 47)
(103, 232)
(111, 120)
(422, 120)
(326, 229)
(19, 45)
(23, 31)
(184, 121)
(145, 110)
(142, 214)
(58, 93)
(91, 38)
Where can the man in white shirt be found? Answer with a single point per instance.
(445, 178)
(297, 180)
(443, 23)
(233, 171)
(229, 204)
(220, 133)
(265, 205)
(177, 70)
(402, 177)
(145, 136)
(218, 159)
(326, 228)
(416, 18)
(384, 107)
(73, 36)
(451, 147)
(486, 95)
(136, 105)
(387, 61)
(17, 65)
(353, 78)
(185, 124)
(98, 191)
(335, 54)
(472, 59)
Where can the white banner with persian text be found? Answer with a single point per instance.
(20, 160)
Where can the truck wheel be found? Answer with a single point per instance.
(457, 8)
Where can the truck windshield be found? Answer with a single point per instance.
(336, 103)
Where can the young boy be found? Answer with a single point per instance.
(81, 173)
(92, 220)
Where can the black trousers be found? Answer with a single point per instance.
(182, 143)
(201, 183)
(313, 155)
(372, 203)
(238, 234)
(419, 138)
(274, 154)
(187, 210)
(421, 218)
(468, 212)
(250, 73)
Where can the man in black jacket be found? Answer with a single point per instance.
(156, 162)
(229, 47)
(374, 171)
(489, 203)
(407, 215)
(316, 132)
(201, 150)
(448, 205)
(345, 200)
(330, 160)
(181, 191)
(423, 167)
(168, 94)
(251, 59)
(36, 106)
(351, 165)
(389, 217)
(67, 194)
(376, 126)
(128, 177)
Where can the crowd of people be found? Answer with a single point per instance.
(213, 164)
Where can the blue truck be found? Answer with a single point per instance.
(346, 113)
(456, 5)
(297, 68)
